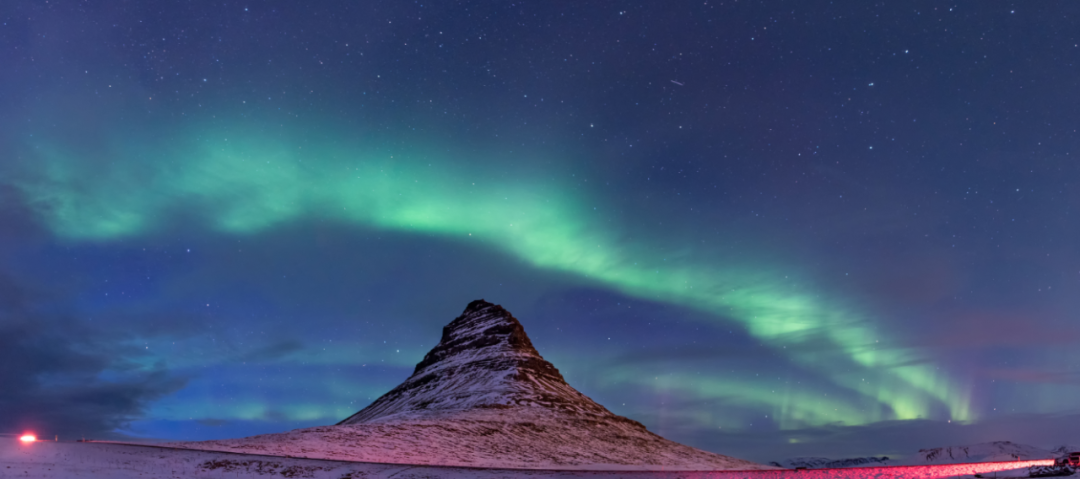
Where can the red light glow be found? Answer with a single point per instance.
(28, 438)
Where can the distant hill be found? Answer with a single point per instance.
(1065, 449)
(983, 452)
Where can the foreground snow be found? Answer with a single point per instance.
(120, 461)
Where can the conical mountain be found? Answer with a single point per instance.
(484, 360)
(484, 397)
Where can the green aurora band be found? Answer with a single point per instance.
(246, 184)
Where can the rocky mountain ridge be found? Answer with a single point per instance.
(484, 360)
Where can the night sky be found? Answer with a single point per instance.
(764, 229)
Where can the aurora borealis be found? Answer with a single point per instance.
(765, 230)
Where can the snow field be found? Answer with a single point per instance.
(122, 461)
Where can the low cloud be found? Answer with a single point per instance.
(62, 377)
(273, 351)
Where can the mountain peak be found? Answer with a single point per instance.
(481, 326)
(484, 360)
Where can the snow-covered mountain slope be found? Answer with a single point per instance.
(1064, 450)
(484, 360)
(495, 438)
(984, 452)
(485, 397)
(826, 463)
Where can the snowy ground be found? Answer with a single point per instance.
(121, 461)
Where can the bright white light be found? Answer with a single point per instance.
(28, 438)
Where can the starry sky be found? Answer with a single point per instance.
(764, 229)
